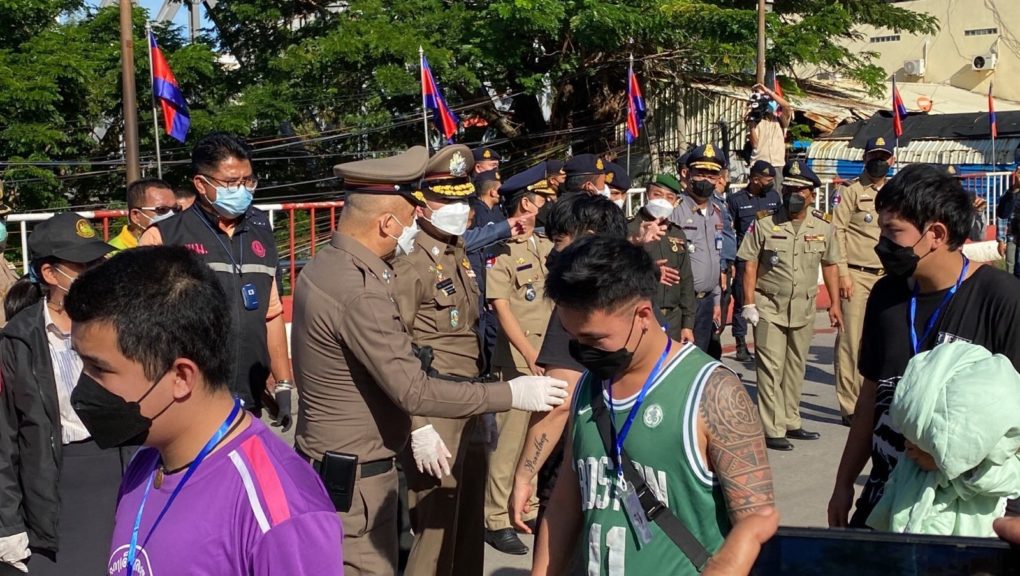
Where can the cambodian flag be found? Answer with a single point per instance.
(446, 121)
(991, 114)
(899, 111)
(635, 107)
(164, 87)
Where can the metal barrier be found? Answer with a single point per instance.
(321, 221)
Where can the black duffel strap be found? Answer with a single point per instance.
(656, 511)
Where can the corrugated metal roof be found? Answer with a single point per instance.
(926, 150)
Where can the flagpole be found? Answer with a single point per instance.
(155, 113)
(992, 127)
(424, 108)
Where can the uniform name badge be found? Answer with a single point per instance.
(635, 513)
(529, 293)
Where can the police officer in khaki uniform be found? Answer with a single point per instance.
(677, 301)
(783, 252)
(358, 377)
(437, 294)
(856, 223)
(516, 291)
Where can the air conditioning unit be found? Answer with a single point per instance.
(914, 67)
(984, 62)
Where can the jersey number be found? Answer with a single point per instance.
(616, 542)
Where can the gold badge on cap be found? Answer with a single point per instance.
(880, 141)
(795, 168)
(609, 178)
(709, 151)
(458, 166)
(952, 170)
(487, 154)
(598, 164)
(498, 177)
(84, 229)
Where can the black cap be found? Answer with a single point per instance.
(878, 143)
(617, 177)
(797, 174)
(531, 180)
(69, 237)
(553, 167)
(485, 153)
(706, 157)
(954, 171)
(763, 168)
(487, 176)
(584, 164)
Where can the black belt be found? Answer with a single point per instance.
(873, 271)
(368, 469)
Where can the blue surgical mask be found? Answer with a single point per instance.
(3, 233)
(233, 201)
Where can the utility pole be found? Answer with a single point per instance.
(128, 99)
(760, 69)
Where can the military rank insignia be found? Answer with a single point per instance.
(446, 287)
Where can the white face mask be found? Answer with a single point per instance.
(451, 218)
(619, 203)
(659, 208)
(153, 220)
(605, 191)
(405, 242)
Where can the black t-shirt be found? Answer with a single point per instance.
(555, 350)
(984, 311)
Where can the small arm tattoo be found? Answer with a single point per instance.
(539, 446)
(736, 444)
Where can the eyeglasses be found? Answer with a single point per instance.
(249, 182)
(160, 210)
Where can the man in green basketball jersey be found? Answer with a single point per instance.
(684, 421)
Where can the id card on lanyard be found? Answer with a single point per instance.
(625, 490)
(249, 295)
(933, 320)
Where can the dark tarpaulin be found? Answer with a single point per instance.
(969, 126)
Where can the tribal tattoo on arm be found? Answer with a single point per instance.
(736, 444)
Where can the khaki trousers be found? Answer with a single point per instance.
(781, 354)
(513, 430)
(370, 527)
(446, 516)
(848, 342)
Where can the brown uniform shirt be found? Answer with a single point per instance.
(437, 294)
(518, 276)
(7, 279)
(353, 364)
(788, 263)
(856, 222)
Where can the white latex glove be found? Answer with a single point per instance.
(430, 452)
(750, 313)
(14, 551)
(490, 432)
(537, 393)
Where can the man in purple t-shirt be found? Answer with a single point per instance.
(215, 492)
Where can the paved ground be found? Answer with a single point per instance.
(803, 477)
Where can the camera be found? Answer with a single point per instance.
(758, 105)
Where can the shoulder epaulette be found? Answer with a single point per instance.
(821, 215)
(762, 214)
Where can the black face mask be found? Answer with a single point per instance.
(794, 203)
(876, 169)
(766, 188)
(603, 364)
(112, 421)
(898, 261)
(550, 260)
(702, 188)
(543, 214)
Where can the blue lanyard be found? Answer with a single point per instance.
(220, 433)
(938, 311)
(226, 247)
(622, 434)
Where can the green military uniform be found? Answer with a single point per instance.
(856, 222)
(676, 303)
(437, 294)
(788, 258)
(663, 444)
(518, 276)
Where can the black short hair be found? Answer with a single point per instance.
(579, 214)
(136, 190)
(165, 304)
(514, 205)
(601, 273)
(925, 193)
(576, 182)
(216, 147)
(22, 294)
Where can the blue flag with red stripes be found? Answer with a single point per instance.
(176, 118)
(992, 125)
(446, 121)
(635, 107)
(899, 110)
